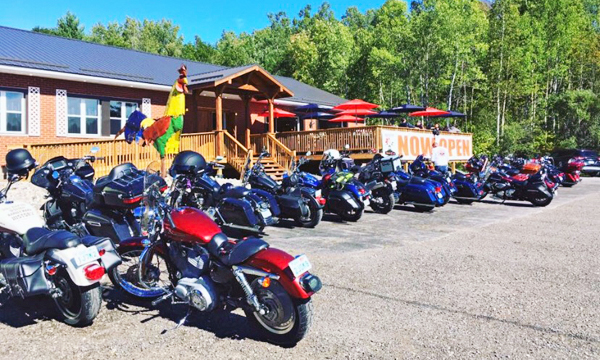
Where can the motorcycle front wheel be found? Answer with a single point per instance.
(78, 306)
(287, 320)
(541, 200)
(351, 215)
(126, 276)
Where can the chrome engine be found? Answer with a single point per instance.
(199, 293)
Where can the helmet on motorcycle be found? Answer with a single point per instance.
(187, 162)
(333, 153)
(19, 162)
(225, 187)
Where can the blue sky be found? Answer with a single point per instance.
(205, 18)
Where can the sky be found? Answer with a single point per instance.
(207, 19)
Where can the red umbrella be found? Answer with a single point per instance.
(355, 104)
(429, 112)
(279, 113)
(346, 118)
(357, 112)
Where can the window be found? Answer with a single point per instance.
(119, 113)
(12, 112)
(83, 116)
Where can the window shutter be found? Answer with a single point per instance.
(61, 112)
(33, 111)
(147, 107)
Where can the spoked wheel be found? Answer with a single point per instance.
(383, 202)
(77, 305)
(286, 320)
(141, 282)
(313, 216)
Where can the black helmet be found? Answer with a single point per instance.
(19, 162)
(187, 162)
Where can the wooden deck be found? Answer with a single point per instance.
(283, 147)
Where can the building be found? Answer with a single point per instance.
(56, 90)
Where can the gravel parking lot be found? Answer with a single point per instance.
(480, 281)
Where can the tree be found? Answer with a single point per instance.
(67, 26)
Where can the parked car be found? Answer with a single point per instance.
(590, 158)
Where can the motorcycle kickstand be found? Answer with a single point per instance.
(181, 322)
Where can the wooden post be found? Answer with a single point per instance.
(271, 116)
(454, 167)
(247, 119)
(220, 145)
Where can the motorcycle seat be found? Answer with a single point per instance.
(417, 180)
(460, 176)
(236, 192)
(37, 240)
(243, 250)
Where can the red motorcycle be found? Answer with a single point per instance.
(572, 171)
(187, 259)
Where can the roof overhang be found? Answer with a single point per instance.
(244, 81)
(16, 70)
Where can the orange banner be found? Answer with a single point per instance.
(412, 144)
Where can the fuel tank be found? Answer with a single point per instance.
(18, 217)
(191, 226)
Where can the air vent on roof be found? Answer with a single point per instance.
(116, 74)
(33, 62)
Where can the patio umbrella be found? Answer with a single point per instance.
(311, 108)
(355, 105)
(385, 114)
(430, 111)
(451, 114)
(279, 113)
(406, 108)
(346, 118)
(357, 112)
(317, 115)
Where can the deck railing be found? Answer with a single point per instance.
(115, 152)
(234, 152)
(280, 153)
(317, 141)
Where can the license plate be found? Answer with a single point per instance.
(87, 255)
(394, 185)
(300, 265)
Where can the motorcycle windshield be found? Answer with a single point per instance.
(151, 197)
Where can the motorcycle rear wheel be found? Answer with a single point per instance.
(288, 319)
(541, 201)
(464, 201)
(315, 214)
(78, 306)
(386, 205)
(423, 208)
(352, 216)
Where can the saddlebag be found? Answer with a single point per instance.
(117, 226)
(268, 198)
(238, 212)
(341, 200)
(110, 258)
(25, 275)
(291, 206)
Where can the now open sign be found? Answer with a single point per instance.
(413, 143)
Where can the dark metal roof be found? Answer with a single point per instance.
(33, 50)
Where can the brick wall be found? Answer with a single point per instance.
(48, 105)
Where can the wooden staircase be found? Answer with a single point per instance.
(272, 168)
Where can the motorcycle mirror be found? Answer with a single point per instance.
(309, 153)
(14, 178)
(219, 158)
(94, 150)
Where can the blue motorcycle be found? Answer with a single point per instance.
(420, 168)
(423, 194)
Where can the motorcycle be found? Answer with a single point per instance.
(469, 187)
(240, 211)
(572, 171)
(523, 187)
(295, 202)
(423, 194)
(382, 199)
(209, 272)
(37, 261)
(419, 168)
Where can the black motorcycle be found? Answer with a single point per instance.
(505, 186)
(295, 202)
(382, 198)
(240, 211)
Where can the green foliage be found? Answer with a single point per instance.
(526, 72)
